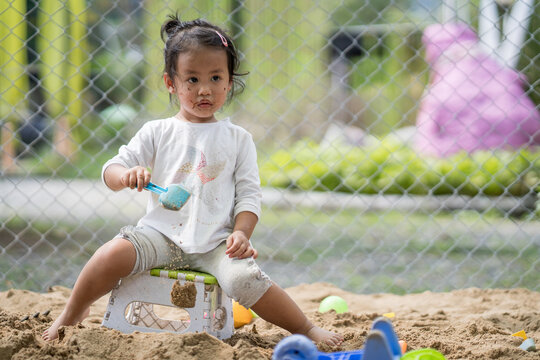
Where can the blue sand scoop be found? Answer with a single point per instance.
(172, 198)
(381, 344)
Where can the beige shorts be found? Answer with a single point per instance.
(241, 279)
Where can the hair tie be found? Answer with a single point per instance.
(223, 40)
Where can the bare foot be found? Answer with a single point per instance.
(317, 335)
(52, 332)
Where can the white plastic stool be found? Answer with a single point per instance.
(131, 304)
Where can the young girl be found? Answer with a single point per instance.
(216, 161)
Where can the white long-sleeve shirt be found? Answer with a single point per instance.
(216, 162)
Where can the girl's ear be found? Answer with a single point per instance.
(169, 83)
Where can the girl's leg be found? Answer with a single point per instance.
(111, 262)
(244, 280)
(277, 307)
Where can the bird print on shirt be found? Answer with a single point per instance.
(196, 171)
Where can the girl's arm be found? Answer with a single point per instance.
(245, 222)
(247, 183)
(238, 245)
(118, 177)
(125, 168)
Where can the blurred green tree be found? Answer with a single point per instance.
(61, 46)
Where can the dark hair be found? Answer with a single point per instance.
(181, 36)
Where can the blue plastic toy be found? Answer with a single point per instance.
(381, 344)
(172, 198)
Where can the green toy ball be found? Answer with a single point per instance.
(333, 302)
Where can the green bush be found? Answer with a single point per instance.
(390, 167)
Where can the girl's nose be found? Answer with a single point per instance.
(204, 90)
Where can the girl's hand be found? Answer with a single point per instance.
(136, 177)
(238, 246)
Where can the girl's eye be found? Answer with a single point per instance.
(193, 80)
(216, 78)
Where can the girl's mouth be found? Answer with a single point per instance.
(204, 104)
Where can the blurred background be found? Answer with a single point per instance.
(341, 98)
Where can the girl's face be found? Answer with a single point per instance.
(201, 84)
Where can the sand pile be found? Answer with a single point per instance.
(462, 324)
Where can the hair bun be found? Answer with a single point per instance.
(171, 27)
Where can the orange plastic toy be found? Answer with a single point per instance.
(241, 315)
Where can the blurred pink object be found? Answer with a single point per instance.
(473, 102)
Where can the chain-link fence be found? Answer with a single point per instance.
(396, 139)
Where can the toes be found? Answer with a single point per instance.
(46, 335)
(335, 340)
